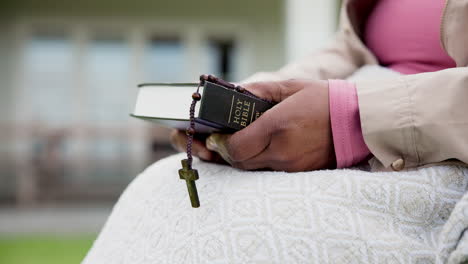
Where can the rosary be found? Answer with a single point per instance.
(187, 173)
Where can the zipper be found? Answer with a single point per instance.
(442, 25)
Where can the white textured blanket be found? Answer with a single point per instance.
(341, 216)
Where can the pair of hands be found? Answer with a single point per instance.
(294, 135)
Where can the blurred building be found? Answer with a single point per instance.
(69, 69)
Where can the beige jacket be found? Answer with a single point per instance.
(409, 121)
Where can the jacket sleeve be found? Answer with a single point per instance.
(344, 55)
(415, 120)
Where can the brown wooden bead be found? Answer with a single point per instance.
(240, 89)
(203, 77)
(196, 96)
(212, 78)
(190, 131)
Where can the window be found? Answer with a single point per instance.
(107, 103)
(47, 93)
(220, 54)
(107, 65)
(165, 60)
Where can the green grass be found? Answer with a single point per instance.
(44, 249)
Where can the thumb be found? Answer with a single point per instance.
(218, 142)
(245, 143)
(275, 91)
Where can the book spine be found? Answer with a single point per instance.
(228, 108)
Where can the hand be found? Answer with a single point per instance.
(294, 135)
(179, 142)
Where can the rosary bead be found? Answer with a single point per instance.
(240, 89)
(203, 77)
(196, 96)
(190, 131)
(212, 78)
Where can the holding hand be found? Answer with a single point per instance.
(294, 135)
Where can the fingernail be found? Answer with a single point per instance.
(217, 143)
(211, 143)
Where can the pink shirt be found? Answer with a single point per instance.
(404, 35)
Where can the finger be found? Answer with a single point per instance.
(263, 160)
(243, 144)
(274, 91)
(278, 161)
(179, 142)
(217, 143)
(251, 164)
(270, 158)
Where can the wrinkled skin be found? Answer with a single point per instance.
(294, 135)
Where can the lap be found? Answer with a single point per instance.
(276, 217)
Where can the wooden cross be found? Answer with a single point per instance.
(190, 176)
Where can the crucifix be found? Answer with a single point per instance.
(190, 176)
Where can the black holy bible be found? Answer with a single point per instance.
(229, 109)
(221, 109)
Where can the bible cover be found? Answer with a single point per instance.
(227, 109)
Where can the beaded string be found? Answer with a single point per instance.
(191, 129)
(196, 96)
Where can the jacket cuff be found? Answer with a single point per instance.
(387, 121)
(350, 148)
